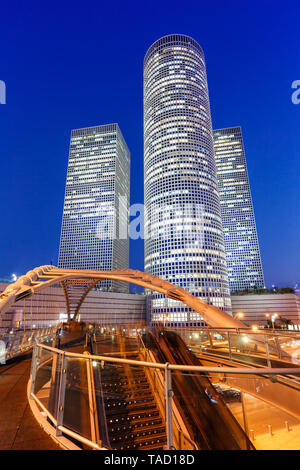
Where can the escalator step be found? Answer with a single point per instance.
(150, 424)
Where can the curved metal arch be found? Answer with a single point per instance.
(46, 276)
(82, 298)
(65, 291)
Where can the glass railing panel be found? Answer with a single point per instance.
(248, 346)
(14, 341)
(242, 343)
(27, 340)
(76, 415)
(287, 347)
(220, 341)
(43, 375)
(198, 340)
(207, 420)
(54, 384)
(266, 413)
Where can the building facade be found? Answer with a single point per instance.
(184, 241)
(241, 242)
(257, 309)
(94, 232)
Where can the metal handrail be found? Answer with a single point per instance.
(167, 368)
(225, 370)
(260, 343)
(234, 329)
(22, 341)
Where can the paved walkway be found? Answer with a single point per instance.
(18, 427)
(19, 430)
(259, 416)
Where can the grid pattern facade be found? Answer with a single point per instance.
(94, 232)
(241, 242)
(184, 241)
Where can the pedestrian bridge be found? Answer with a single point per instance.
(147, 370)
(76, 285)
(145, 389)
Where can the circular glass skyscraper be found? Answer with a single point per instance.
(184, 241)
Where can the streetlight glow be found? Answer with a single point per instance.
(239, 315)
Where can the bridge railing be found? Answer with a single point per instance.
(19, 342)
(63, 391)
(268, 347)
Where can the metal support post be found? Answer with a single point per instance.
(229, 345)
(34, 364)
(278, 347)
(61, 394)
(267, 351)
(244, 414)
(287, 427)
(169, 415)
(92, 402)
(210, 339)
(270, 429)
(200, 340)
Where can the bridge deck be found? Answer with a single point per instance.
(19, 429)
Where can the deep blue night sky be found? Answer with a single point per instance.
(75, 64)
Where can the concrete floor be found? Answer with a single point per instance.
(19, 429)
(259, 416)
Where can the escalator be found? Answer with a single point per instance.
(207, 418)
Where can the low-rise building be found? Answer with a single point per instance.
(257, 309)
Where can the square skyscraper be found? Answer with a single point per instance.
(240, 234)
(94, 232)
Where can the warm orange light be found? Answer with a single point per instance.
(240, 314)
(254, 327)
(267, 315)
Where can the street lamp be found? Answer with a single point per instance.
(273, 318)
(239, 315)
(254, 327)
